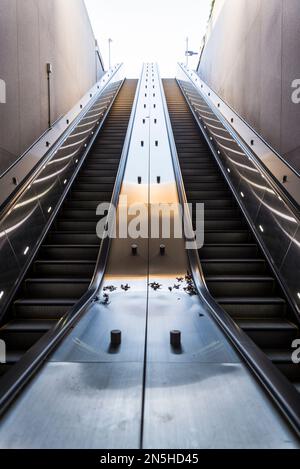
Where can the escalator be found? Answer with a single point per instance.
(236, 271)
(63, 268)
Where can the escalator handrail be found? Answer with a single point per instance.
(278, 387)
(25, 172)
(16, 378)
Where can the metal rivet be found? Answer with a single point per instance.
(134, 249)
(115, 338)
(175, 338)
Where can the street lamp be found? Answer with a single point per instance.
(188, 53)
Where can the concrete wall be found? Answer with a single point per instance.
(32, 33)
(251, 58)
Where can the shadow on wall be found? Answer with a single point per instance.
(251, 59)
(32, 34)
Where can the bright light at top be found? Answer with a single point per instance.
(153, 31)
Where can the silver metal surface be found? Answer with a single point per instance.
(77, 406)
(272, 160)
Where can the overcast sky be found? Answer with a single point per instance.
(149, 31)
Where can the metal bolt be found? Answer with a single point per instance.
(175, 338)
(115, 338)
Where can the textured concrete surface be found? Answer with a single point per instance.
(250, 59)
(32, 33)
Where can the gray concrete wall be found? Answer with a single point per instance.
(32, 33)
(251, 58)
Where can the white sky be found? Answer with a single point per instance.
(149, 31)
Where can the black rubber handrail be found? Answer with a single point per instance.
(17, 377)
(282, 392)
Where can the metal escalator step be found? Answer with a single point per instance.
(225, 251)
(283, 360)
(65, 263)
(269, 333)
(253, 307)
(68, 237)
(77, 225)
(90, 185)
(78, 214)
(226, 236)
(87, 204)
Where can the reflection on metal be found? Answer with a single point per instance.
(262, 196)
